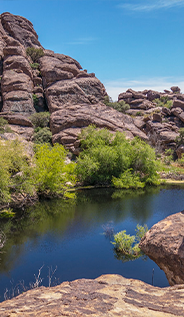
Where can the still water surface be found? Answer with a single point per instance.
(69, 237)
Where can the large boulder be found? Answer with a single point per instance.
(164, 244)
(67, 122)
(20, 29)
(107, 295)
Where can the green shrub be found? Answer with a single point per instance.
(181, 160)
(15, 171)
(34, 53)
(180, 139)
(4, 128)
(40, 119)
(35, 101)
(42, 135)
(121, 106)
(163, 101)
(34, 65)
(110, 158)
(52, 174)
(127, 245)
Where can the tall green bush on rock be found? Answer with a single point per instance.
(52, 174)
(16, 174)
(110, 158)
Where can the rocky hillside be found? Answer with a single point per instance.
(74, 97)
(159, 115)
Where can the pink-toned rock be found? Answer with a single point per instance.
(18, 63)
(16, 119)
(175, 89)
(157, 117)
(20, 29)
(67, 122)
(77, 91)
(12, 81)
(151, 95)
(178, 112)
(126, 96)
(106, 296)
(178, 104)
(180, 151)
(164, 244)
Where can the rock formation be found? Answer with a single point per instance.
(159, 115)
(108, 295)
(57, 82)
(164, 244)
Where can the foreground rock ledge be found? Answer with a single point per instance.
(164, 244)
(108, 295)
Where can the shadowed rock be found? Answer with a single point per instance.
(164, 244)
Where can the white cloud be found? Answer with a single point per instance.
(82, 41)
(152, 5)
(114, 88)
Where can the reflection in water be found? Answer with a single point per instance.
(69, 235)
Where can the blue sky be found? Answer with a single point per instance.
(128, 44)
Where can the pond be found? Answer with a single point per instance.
(66, 240)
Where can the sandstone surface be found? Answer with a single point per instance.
(164, 244)
(108, 295)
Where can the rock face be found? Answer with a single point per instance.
(108, 295)
(164, 244)
(161, 123)
(74, 97)
(57, 82)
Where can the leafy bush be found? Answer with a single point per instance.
(163, 101)
(4, 126)
(52, 174)
(119, 106)
(181, 160)
(15, 171)
(34, 65)
(43, 135)
(168, 156)
(40, 119)
(128, 245)
(110, 158)
(180, 138)
(34, 53)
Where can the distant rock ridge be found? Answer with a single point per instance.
(159, 115)
(73, 96)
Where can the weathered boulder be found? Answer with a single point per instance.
(16, 119)
(67, 122)
(180, 151)
(20, 29)
(175, 89)
(164, 244)
(151, 95)
(178, 104)
(178, 112)
(107, 295)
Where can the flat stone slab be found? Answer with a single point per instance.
(108, 295)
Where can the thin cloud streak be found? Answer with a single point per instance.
(82, 41)
(114, 88)
(159, 4)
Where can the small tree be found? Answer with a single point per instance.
(34, 53)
